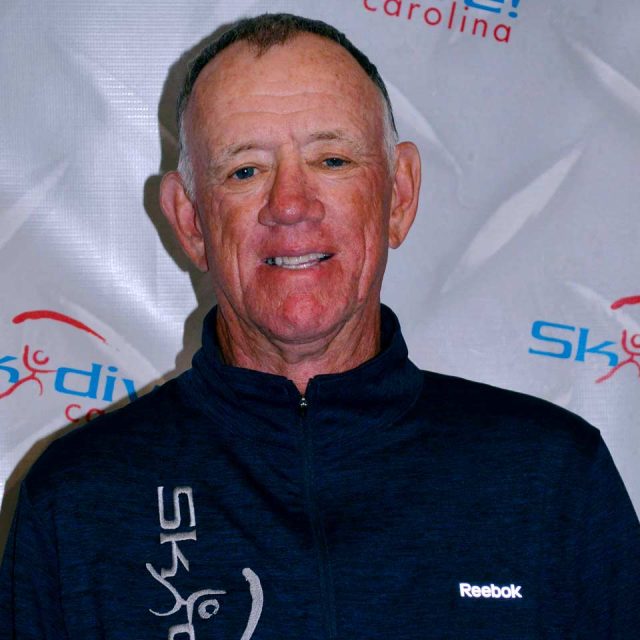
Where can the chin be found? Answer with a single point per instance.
(305, 318)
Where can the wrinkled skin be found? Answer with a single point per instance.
(289, 160)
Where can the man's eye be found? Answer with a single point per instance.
(334, 163)
(244, 173)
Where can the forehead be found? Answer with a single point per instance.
(304, 74)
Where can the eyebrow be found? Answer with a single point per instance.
(335, 135)
(328, 135)
(233, 150)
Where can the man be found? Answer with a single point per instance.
(305, 479)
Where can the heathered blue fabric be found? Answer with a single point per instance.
(361, 516)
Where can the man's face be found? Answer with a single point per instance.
(293, 190)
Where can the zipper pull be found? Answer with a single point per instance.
(302, 406)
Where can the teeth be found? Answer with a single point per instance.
(297, 262)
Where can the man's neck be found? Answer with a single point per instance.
(357, 341)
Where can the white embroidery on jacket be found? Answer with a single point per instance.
(257, 599)
(210, 605)
(177, 517)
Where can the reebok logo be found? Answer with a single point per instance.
(489, 591)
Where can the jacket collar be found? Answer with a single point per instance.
(266, 406)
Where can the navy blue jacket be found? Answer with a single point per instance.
(392, 504)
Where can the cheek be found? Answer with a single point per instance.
(376, 241)
(362, 231)
(229, 243)
(368, 225)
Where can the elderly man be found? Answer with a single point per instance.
(305, 479)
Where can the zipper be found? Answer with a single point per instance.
(317, 527)
(303, 405)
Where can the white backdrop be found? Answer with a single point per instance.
(526, 113)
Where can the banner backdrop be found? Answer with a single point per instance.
(521, 269)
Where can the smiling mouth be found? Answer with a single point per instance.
(298, 262)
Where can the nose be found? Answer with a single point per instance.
(290, 200)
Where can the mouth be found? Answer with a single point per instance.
(298, 262)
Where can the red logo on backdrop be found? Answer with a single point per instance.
(98, 382)
(454, 15)
(630, 343)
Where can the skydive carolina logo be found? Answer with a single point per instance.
(575, 343)
(34, 370)
(453, 15)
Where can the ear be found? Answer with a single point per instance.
(406, 188)
(182, 215)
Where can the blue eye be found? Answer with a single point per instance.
(244, 173)
(334, 163)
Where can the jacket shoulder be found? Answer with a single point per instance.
(119, 435)
(480, 407)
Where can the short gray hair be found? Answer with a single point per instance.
(263, 32)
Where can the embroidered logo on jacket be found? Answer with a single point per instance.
(205, 601)
(509, 592)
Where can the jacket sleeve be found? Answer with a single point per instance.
(607, 556)
(30, 603)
